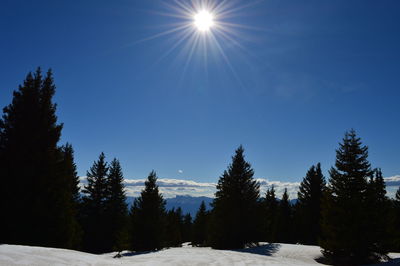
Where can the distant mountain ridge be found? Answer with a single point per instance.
(189, 204)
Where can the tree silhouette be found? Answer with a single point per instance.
(200, 226)
(116, 208)
(270, 207)
(36, 196)
(345, 212)
(147, 216)
(283, 231)
(94, 215)
(308, 208)
(187, 228)
(236, 206)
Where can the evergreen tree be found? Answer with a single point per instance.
(71, 174)
(236, 206)
(187, 228)
(200, 226)
(283, 227)
(308, 208)
(147, 216)
(378, 210)
(94, 207)
(70, 167)
(116, 208)
(41, 212)
(395, 222)
(345, 215)
(173, 235)
(270, 214)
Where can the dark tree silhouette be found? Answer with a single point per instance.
(147, 216)
(283, 232)
(116, 208)
(94, 215)
(36, 201)
(398, 195)
(173, 228)
(187, 228)
(200, 226)
(308, 208)
(345, 212)
(70, 172)
(395, 223)
(236, 206)
(378, 210)
(270, 207)
(70, 168)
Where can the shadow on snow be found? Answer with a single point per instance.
(265, 249)
(388, 263)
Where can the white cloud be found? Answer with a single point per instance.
(392, 185)
(393, 181)
(180, 171)
(175, 187)
(279, 186)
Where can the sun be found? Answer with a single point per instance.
(203, 20)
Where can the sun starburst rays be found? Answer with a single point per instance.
(202, 30)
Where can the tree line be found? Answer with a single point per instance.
(349, 215)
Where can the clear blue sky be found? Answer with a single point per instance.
(296, 75)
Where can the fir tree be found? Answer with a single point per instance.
(270, 205)
(116, 208)
(187, 228)
(94, 206)
(70, 167)
(41, 212)
(345, 215)
(398, 195)
(283, 227)
(200, 226)
(236, 206)
(378, 209)
(70, 172)
(308, 208)
(147, 216)
(173, 228)
(395, 222)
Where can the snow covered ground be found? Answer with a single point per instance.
(272, 254)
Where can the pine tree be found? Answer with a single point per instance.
(40, 213)
(147, 216)
(345, 215)
(187, 228)
(398, 195)
(395, 223)
(70, 166)
(378, 209)
(270, 214)
(283, 227)
(71, 174)
(200, 226)
(173, 228)
(94, 213)
(308, 208)
(236, 206)
(116, 208)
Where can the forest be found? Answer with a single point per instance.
(348, 213)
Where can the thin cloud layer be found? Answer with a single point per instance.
(178, 187)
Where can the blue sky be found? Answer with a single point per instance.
(293, 77)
